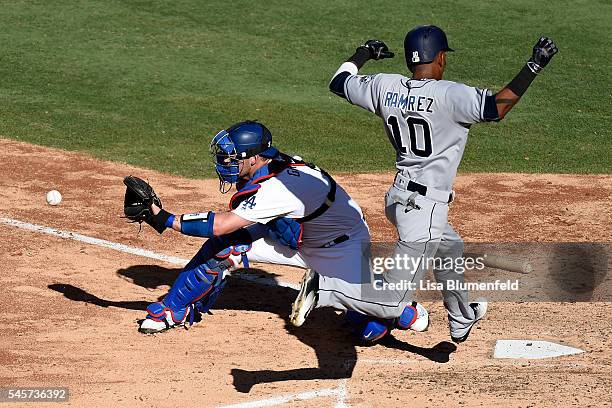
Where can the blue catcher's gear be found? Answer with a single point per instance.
(196, 288)
(239, 142)
(240, 249)
(423, 43)
(367, 329)
(371, 329)
(287, 231)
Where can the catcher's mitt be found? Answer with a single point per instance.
(139, 196)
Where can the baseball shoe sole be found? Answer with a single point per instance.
(480, 309)
(306, 298)
(150, 326)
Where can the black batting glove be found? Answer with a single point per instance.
(378, 50)
(543, 52)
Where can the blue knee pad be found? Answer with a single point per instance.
(214, 247)
(240, 249)
(368, 329)
(287, 231)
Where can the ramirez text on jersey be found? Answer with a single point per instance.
(411, 103)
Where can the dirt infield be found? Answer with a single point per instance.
(69, 309)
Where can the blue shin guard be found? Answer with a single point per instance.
(371, 329)
(196, 286)
(367, 329)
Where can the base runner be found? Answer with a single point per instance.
(427, 121)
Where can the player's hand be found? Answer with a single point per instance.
(378, 50)
(543, 52)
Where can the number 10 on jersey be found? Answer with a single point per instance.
(413, 123)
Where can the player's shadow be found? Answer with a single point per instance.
(334, 346)
(79, 295)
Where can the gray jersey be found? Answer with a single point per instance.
(427, 121)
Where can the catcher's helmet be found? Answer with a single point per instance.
(423, 43)
(239, 142)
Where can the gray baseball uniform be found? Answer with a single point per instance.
(427, 121)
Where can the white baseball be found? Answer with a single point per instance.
(54, 197)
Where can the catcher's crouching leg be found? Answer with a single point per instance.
(196, 289)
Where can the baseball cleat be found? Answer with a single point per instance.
(371, 329)
(151, 326)
(414, 317)
(306, 299)
(480, 309)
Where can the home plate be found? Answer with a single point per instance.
(531, 349)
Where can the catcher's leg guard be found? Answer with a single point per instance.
(200, 285)
(367, 329)
(197, 287)
(414, 317)
(371, 329)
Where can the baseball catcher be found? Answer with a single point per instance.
(284, 211)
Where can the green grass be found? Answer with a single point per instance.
(150, 82)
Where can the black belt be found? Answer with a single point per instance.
(422, 190)
(336, 241)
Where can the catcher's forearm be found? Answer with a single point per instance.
(196, 225)
(162, 219)
(205, 224)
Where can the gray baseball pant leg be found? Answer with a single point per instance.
(456, 302)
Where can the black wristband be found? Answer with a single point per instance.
(159, 221)
(522, 80)
(360, 57)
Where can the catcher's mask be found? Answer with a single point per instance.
(241, 141)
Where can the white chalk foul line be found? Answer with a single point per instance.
(264, 280)
(93, 241)
(342, 394)
(270, 402)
